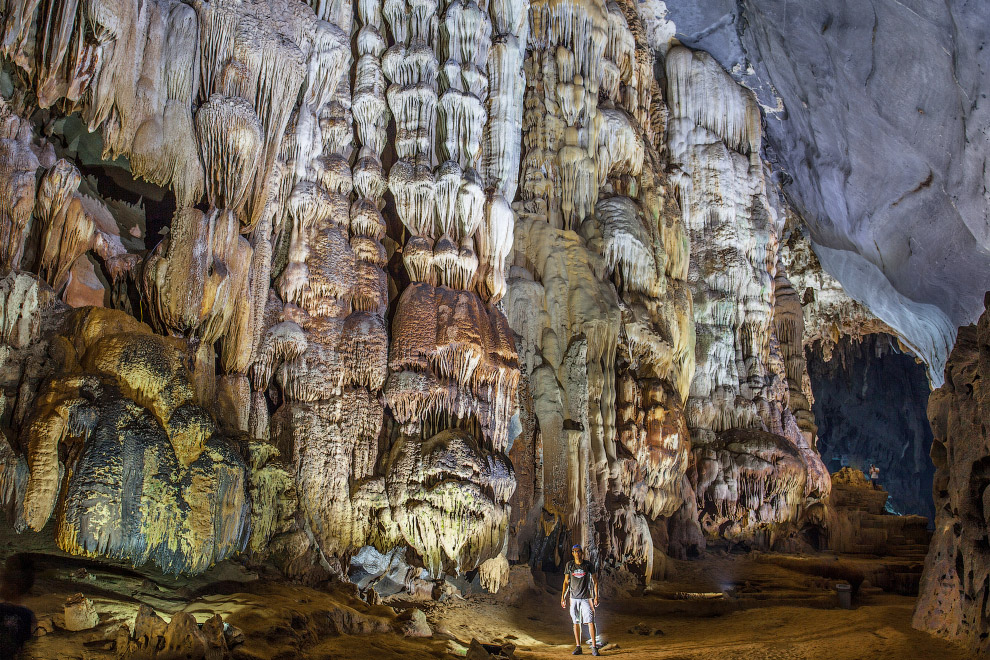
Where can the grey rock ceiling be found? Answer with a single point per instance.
(878, 121)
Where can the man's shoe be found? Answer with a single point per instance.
(594, 650)
(576, 651)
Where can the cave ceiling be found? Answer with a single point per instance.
(877, 123)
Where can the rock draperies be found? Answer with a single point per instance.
(750, 365)
(148, 474)
(411, 240)
(597, 289)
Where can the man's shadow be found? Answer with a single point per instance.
(16, 622)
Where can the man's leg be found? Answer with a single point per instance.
(594, 638)
(577, 634)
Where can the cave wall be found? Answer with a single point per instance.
(459, 282)
(870, 404)
(955, 586)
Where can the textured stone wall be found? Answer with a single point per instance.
(955, 586)
(900, 217)
(756, 465)
(428, 294)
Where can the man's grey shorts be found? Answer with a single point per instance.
(582, 611)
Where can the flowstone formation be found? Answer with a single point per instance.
(597, 288)
(955, 586)
(756, 467)
(446, 285)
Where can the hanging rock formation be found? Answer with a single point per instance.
(452, 283)
(746, 410)
(900, 218)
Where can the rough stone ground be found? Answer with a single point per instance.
(770, 613)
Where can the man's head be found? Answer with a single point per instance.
(576, 552)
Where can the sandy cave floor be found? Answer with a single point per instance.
(770, 613)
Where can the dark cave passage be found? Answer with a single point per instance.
(870, 406)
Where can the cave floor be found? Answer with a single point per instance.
(772, 612)
(739, 606)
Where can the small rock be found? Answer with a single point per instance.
(122, 640)
(455, 647)
(183, 637)
(416, 625)
(233, 635)
(149, 628)
(44, 627)
(216, 642)
(479, 651)
(80, 613)
(644, 629)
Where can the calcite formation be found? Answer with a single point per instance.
(829, 313)
(750, 364)
(882, 153)
(453, 283)
(597, 288)
(955, 586)
(147, 474)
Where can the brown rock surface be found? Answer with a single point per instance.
(857, 521)
(956, 584)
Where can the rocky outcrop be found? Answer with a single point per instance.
(859, 523)
(956, 583)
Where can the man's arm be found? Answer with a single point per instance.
(563, 591)
(594, 585)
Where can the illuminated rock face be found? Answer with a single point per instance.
(148, 475)
(956, 583)
(597, 289)
(431, 283)
(747, 410)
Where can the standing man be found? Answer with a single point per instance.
(581, 584)
(875, 476)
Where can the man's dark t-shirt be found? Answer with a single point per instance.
(580, 584)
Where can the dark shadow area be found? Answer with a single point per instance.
(871, 407)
